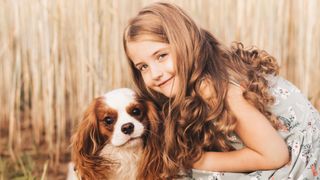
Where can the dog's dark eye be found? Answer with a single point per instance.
(136, 112)
(108, 120)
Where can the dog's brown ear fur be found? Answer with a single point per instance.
(151, 162)
(86, 145)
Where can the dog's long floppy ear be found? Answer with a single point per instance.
(86, 145)
(152, 153)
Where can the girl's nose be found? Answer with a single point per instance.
(156, 73)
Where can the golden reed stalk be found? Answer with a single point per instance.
(56, 55)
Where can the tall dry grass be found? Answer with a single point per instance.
(56, 55)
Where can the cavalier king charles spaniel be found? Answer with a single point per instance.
(118, 138)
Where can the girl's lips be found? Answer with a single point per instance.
(161, 84)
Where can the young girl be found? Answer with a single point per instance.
(225, 110)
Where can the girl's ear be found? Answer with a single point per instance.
(86, 144)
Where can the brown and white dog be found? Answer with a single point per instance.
(117, 138)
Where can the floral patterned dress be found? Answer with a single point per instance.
(300, 127)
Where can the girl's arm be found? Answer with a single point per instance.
(264, 148)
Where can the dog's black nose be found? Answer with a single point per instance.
(127, 128)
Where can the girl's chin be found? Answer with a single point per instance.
(168, 93)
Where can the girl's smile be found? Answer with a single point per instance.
(166, 82)
(155, 62)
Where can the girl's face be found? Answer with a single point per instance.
(154, 61)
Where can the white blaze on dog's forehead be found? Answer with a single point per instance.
(120, 98)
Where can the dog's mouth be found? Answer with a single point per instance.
(134, 138)
(133, 142)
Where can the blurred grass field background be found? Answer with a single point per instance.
(57, 55)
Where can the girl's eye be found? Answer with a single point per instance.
(162, 56)
(108, 120)
(143, 67)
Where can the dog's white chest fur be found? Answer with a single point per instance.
(126, 160)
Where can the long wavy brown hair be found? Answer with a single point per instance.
(194, 122)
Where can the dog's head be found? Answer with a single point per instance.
(118, 118)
